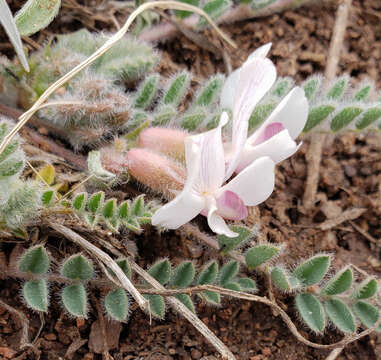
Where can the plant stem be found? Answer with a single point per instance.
(167, 30)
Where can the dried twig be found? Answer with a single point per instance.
(105, 258)
(24, 341)
(347, 215)
(315, 150)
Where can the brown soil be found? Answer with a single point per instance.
(350, 177)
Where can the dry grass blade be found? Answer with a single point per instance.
(23, 119)
(105, 258)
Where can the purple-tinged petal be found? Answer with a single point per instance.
(230, 206)
(279, 147)
(268, 132)
(292, 112)
(255, 183)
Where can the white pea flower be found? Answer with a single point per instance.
(204, 191)
(275, 137)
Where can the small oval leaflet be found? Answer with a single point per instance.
(340, 315)
(78, 267)
(311, 310)
(35, 261)
(74, 299)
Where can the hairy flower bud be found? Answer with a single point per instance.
(156, 171)
(164, 140)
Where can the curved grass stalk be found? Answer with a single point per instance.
(170, 4)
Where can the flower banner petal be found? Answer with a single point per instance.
(255, 80)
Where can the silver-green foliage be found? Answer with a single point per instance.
(19, 200)
(93, 105)
(36, 15)
(334, 108)
(95, 209)
(338, 299)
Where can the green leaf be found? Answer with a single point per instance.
(137, 208)
(35, 293)
(227, 244)
(211, 297)
(77, 267)
(340, 315)
(228, 272)
(282, 87)
(9, 150)
(183, 274)
(368, 117)
(316, 115)
(182, 13)
(214, 8)
(161, 271)
(208, 274)
(366, 313)
(178, 85)
(10, 167)
(210, 92)
(187, 301)
(124, 210)
(311, 310)
(313, 270)
(247, 284)
(363, 93)
(192, 119)
(36, 15)
(366, 289)
(260, 254)
(345, 117)
(79, 202)
(125, 266)
(74, 299)
(35, 260)
(109, 209)
(116, 304)
(260, 114)
(157, 305)
(95, 202)
(232, 286)
(164, 115)
(311, 86)
(280, 279)
(9, 24)
(47, 197)
(338, 89)
(340, 283)
(147, 91)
